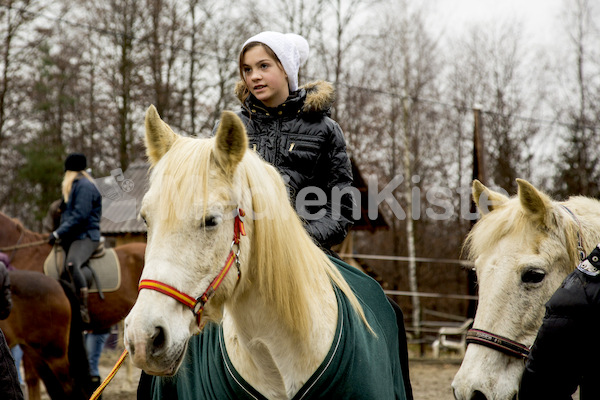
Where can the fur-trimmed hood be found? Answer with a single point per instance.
(319, 95)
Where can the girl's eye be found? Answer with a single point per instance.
(264, 66)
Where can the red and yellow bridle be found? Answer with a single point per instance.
(197, 304)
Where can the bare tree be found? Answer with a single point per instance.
(119, 27)
(579, 163)
(16, 17)
(164, 46)
(489, 70)
(221, 46)
(402, 67)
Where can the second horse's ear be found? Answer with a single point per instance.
(159, 136)
(534, 202)
(231, 142)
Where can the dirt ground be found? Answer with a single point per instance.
(430, 379)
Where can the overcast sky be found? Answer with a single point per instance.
(540, 18)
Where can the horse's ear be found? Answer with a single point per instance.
(159, 136)
(536, 203)
(231, 141)
(490, 200)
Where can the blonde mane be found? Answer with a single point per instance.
(188, 164)
(286, 264)
(511, 219)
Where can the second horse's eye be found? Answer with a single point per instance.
(533, 275)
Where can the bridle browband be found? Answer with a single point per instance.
(197, 304)
(503, 344)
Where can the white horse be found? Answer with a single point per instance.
(522, 248)
(275, 321)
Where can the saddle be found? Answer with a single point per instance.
(99, 271)
(102, 271)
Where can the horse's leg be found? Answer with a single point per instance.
(54, 372)
(32, 379)
(52, 366)
(59, 382)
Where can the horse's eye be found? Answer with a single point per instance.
(211, 221)
(533, 276)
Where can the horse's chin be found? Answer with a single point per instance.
(167, 365)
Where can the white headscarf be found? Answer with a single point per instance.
(291, 49)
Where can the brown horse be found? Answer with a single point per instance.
(103, 313)
(40, 322)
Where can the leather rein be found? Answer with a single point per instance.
(197, 304)
(506, 345)
(13, 249)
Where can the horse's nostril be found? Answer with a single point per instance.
(131, 349)
(477, 395)
(158, 339)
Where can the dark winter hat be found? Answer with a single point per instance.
(75, 162)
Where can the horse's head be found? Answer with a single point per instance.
(522, 249)
(190, 210)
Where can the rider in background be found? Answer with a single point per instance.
(9, 380)
(79, 229)
(565, 352)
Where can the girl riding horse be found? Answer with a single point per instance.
(79, 229)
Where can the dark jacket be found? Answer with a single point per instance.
(566, 352)
(9, 380)
(81, 217)
(5, 297)
(308, 148)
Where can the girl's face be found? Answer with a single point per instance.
(265, 77)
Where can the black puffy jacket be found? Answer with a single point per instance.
(566, 350)
(5, 296)
(307, 147)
